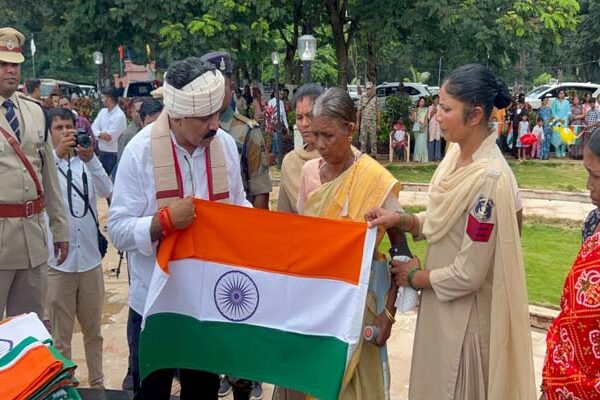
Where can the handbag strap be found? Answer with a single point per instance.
(17, 148)
(80, 193)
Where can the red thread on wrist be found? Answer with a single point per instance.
(166, 224)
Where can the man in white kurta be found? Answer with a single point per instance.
(193, 95)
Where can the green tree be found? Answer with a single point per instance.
(541, 21)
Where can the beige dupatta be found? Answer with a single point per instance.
(511, 373)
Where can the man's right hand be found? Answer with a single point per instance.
(182, 212)
(66, 144)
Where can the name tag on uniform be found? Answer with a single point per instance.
(39, 145)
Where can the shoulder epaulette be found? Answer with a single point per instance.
(250, 122)
(23, 96)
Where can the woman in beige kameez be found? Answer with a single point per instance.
(472, 340)
(291, 168)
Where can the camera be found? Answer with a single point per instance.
(82, 138)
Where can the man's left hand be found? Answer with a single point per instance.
(105, 136)
(85, 153)
(61, 251)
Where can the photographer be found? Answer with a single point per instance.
(76, 287)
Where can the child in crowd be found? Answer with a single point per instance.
(399, 139)
(538, 131)
(523, 130)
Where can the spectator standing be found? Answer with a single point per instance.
(369, 118)
(241, 103)
(258, 107)
(248, 96)
(29, 186)
(515, 112)
(435, 131)
(108, 126)
(281, 124)
(593, 114)
(538, 131)
(545, 113)
(523, 130)
(32, 85)
(76, 287)
(577, 119)
(561, 111)
(132, 129)
(420, 127)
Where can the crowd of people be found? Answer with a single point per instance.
(542, 130)
(55, 166)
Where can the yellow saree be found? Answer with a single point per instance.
(366, 184)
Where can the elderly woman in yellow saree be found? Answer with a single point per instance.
(343, 184)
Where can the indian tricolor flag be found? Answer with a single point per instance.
(266, 296)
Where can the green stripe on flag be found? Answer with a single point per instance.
(311, 364)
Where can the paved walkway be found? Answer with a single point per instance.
(400, 345)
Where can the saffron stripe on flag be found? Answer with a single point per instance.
(275, 242)
(277, 356)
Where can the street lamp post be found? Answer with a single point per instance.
(307, 49)
(99, 60)
(277, 133)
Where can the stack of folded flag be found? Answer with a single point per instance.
(30, 367)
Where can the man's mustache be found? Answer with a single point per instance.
(210, 134)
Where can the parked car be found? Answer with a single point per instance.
(412, 89)
(89, 90)
(433, 90)
(139, 89)
(48, 86)
(534, 98)
(353, 92)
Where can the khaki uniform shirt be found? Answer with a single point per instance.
(253, 155)
(23, 240)
(368, 114)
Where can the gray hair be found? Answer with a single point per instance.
(335, 103)
(310, 90)
(180, 73)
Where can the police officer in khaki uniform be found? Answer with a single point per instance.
(28, 188)
(248, 137)
(369, 117)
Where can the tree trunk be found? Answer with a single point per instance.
(337, 14)
(522, 69)
(371, 57)
(288, 64)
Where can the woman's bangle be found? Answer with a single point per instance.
(389, 315)
(411, 275)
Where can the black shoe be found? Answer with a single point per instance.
(127, 383)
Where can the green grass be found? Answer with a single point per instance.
(549, 246)
(548, 175)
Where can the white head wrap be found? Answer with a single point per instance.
(201, 97)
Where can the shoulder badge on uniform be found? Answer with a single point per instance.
(483, 209)
(250, 122)
(478, 229)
